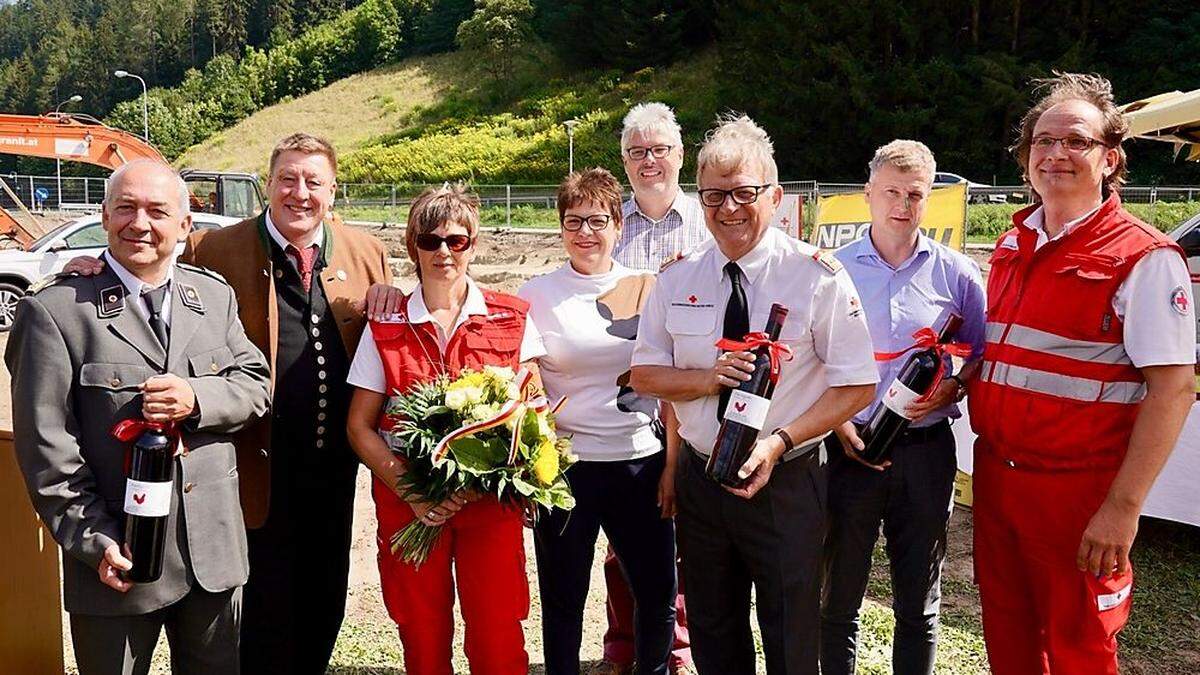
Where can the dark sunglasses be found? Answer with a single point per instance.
(432, 242)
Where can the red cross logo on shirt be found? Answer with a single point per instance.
(1179, 300)
(692, 299)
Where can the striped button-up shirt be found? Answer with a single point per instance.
(646, 243)
(933, 282)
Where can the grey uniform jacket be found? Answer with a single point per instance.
(77, 353)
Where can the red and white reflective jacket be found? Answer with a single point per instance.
(410, 352)
(1057, 390)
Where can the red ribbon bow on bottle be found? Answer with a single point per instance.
(777, 351)
(128, 430)
(926, 338)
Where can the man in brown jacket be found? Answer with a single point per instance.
(300, 281)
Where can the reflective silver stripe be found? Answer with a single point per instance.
(1057, 345)
(1063, 386)
(993, 331)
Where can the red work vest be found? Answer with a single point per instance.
(410, 353)
(1057, 391)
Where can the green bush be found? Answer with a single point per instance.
(990, 220)
(228, 90)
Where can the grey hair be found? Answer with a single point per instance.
(185, 202)
(905, 155)
(737, 142)
(651, 117)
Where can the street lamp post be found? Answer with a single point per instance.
(145, 109)
(570, 125)
(58, 162)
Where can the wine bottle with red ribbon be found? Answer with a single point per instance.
(149, 483)
(746, 412)
(916, 382)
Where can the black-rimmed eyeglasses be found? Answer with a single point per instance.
(638, 153)
(595, 223)
(742, 194)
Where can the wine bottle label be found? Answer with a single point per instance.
(147, 499)
(898, 396)
(746, 408)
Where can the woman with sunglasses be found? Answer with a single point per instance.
(587, 312)
(445, 325)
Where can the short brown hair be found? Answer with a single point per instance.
(591, 185)
(306, 143)
(1089, 88)
(437, 206)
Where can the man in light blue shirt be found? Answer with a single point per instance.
(906, 282)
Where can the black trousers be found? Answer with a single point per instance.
(619, 497)
(912, 500)
(771, 542)
(202, 629)
(295, 599)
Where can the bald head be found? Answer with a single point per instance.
(153, 168)
(145, 215)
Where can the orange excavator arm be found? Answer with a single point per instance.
(75, 138)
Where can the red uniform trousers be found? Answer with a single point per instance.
(1040, 613)
(618, 639)
(484, 543)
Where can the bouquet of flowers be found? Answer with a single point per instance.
(485, 431)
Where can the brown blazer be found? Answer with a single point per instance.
(239, 253)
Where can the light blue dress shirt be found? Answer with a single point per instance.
(921, 292)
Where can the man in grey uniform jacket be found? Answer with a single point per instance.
(145, 339)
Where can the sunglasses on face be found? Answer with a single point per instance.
(432, 242)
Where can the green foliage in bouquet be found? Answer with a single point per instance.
(477, 460)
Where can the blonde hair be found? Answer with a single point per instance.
(737, 143)
(1089, 88)
(648, 118)
(307, 144)
(905, 155)
(437, 206)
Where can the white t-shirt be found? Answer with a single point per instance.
(588, 324)
(1159, 326)
(825, 327)
(366, 370)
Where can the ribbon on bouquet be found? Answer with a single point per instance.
(777, 351)
(513, 409)
(926, 338)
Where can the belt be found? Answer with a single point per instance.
(914, 435)
(794, 453)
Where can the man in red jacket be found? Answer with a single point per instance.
(1086, 382)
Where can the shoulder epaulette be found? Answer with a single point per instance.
(48, 280)
(201, 270)
(828, 262)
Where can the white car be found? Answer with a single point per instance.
(1187, 235)
(977, 193)
(49, 254)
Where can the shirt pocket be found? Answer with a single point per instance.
(217, 361)
(694, 334)
(112, 389)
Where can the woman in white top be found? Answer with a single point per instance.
(587, 312)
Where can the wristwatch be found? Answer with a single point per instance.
(788, 445)
(962, 387)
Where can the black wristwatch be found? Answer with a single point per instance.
(788, 445)
(962, 387)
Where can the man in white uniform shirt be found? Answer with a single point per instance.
(769, 531)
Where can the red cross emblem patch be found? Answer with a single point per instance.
(692, 299)
(1180, 301)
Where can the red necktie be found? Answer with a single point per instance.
(305, 258)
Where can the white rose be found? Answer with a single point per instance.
(456, 399)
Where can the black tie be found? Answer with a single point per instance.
(737, 322)
(154, 302)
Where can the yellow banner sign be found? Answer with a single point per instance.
(843, 218)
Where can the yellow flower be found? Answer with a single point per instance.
(456, 399)
(484, 411)
(545, 465)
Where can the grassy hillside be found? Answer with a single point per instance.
(430, 119)
(349, 112)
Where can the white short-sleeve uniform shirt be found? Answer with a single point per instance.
(684, 317)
